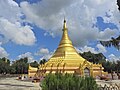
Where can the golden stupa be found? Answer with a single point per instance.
(67, 60)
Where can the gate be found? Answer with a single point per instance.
(87, 72)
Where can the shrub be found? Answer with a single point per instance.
(68, 82)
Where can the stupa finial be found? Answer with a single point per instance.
(64, 25)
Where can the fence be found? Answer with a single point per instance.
(110, 87)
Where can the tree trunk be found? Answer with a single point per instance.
(112, 75)
(118, 74)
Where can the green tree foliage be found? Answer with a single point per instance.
(111, 67)
(108, 66)
(4, 66)
(42, 61)
(68, 82)
(95, 58)
(117, 66)
(34, 64)
(113, 42)
(20, 66)
(118, 3)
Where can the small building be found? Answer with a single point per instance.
(32, 71)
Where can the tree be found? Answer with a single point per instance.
(118, 3)
(4, 65)
(95, 58)
(117, 68)
(113, 42)
(66, 81)
(108, 67)
(42, 61)
(20, 66)
(34, 64)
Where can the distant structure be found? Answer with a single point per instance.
(31, 71)
(67, 60)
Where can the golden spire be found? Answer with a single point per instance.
(65, 45)
(65, 41)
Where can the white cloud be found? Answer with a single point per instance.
(80, 14)
(11, 2)
(99, 49)
(15, 32)
(10, 24)
(113, 57)
(28, 55)
(87, 49)
(3, 52)
(10, 10)
(47, 56)
(106, 34)
(44, 53)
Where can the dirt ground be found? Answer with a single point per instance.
(13, 84)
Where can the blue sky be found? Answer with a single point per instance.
(33, 28)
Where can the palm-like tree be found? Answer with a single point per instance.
(114, 41)
(118, 3)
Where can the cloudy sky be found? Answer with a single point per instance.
(33, 28)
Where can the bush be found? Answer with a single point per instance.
(68, 82)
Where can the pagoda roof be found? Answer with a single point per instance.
(66, 53)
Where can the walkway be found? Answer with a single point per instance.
(13, 84)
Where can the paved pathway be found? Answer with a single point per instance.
(13, 84)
